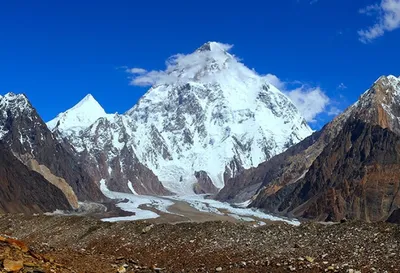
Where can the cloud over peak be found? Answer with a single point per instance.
(213, 57)
(183, 67)
(311, 101)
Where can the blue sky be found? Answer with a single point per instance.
(58, 51)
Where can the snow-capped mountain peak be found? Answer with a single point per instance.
(206, 112)
(215, 47)
(82, 115)
(12, 105)
(212, 114)
(20, 100)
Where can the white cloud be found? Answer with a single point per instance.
(191, 63)
(388, 19)
(334, 111)
(370, 10)
(275, 81)
(342, 86)
(136, 70)
(311, 101)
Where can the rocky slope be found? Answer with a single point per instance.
(355, 177)
(348, 171)
(16, 256)
(207, 114)
(88, 245)
(28, 138)
(25, 191)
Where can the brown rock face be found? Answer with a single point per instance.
(204, 184)
(243, 186)
(13, 266)
(347, 170)
(355, 177)
(25, 191)
(29, 138)
(56, 181)
(143, 180)
(380, 105)
(120, 168)
(283, 169)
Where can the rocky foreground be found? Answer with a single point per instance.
(83, 244)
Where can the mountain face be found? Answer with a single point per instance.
(349, 169)
(207, 119)
(25, 134)
(102, 143)
(26, 191)
(79, 117)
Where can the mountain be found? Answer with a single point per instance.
(213, 114)
(102, 144)
(349, 169)
(25, 134)
(205, 119)
(79, 117)
(26, 191)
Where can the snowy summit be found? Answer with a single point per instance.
(206, 112)
(81, 116)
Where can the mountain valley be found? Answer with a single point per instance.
(213, 158)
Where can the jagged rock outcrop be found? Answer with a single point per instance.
(204, 184)
(27, 136)
(25, 191)
(348, 171)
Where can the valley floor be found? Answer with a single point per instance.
(85, 244)
(184, 208)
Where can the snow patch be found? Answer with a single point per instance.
(130, 186)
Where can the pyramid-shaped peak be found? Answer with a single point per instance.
(83, 114)
(89, 101)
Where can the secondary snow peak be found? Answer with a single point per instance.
(82, 115)
(89, 101)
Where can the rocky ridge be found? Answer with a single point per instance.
(27, 137)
